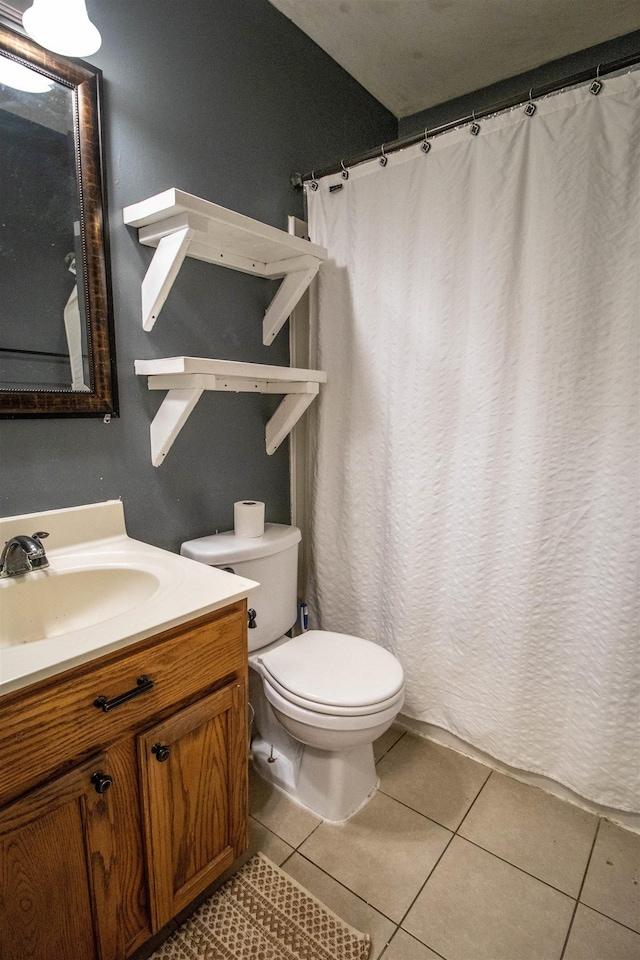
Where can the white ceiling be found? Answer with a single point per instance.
(412, 54)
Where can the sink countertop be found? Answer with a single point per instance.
(94, 536)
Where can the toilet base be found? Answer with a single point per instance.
(331, 784)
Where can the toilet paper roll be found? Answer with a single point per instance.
(248, 518)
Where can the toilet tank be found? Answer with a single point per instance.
(272, 560)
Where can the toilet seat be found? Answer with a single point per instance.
(329, 709)
(331, 721)
(333, 673)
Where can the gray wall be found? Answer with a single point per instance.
(224, 100)
(548, 73)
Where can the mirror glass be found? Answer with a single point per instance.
(43, 343)
(56, 355)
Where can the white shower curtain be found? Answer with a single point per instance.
(475, 491)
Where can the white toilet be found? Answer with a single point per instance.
(321, 698)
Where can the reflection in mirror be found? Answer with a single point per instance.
(41, 334)
(55, 330)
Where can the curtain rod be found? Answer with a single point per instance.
(297, 179)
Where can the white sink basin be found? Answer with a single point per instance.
(102, 591)
(52, 602)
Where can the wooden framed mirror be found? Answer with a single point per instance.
(56, 322)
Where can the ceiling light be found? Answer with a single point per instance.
(62, 26)
(15, 75)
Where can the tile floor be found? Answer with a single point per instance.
(453, 860)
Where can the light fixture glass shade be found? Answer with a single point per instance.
(62, 26)
(15, 75)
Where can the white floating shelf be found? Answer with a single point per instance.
(181, 225)
(185, 379)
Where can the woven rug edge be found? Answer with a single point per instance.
(353, 930)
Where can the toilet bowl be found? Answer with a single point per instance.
(327, 731)
(320, 698)
(331, 690)
(332, 694)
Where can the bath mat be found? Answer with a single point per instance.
(263, 914)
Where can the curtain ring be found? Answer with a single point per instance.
(596, 86)
(314, 182)
(474, 129)
(345, 172)
(384, 160)
(530, 108)
(425, 146)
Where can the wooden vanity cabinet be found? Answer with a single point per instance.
(57, 884)
(113, 822)
(193, 798)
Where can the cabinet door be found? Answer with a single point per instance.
(58, 895)
(194, 786)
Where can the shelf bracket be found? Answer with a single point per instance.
(286, 416)
(163, 270)
(184, 389)
(171, 417)
(180, 225)
(298, 274)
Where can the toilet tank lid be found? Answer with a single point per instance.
(226, 548)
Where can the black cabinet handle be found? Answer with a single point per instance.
(162, 752)
(102, 781)
(143, 684)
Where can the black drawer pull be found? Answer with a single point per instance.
(143, 684)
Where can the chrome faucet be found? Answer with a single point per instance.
(23, 554)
